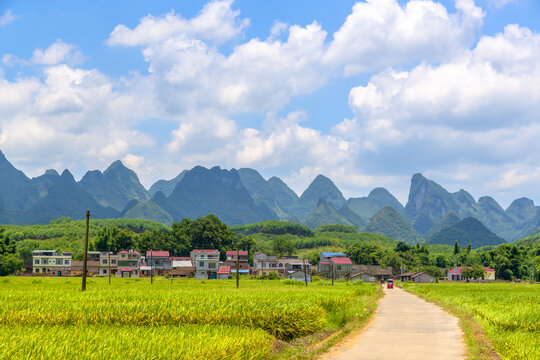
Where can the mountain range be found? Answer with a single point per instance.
(243, 196)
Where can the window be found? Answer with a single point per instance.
(339, 268)
(59, 261)
(113, 261)
(104, 261)
(212, 265)
(66, 262)
(201, 263)
(36, 261)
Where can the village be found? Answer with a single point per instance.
(206, 264)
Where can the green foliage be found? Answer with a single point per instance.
(365, 253)
(273, 227)
(324, 213)
(337, 228)
(321, 188)
(476, 272)
(9, 260)
(432, 270)
(149, 210)
(282, 246)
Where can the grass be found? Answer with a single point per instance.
(508, 314)
(132, 319)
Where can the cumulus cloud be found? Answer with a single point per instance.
(382, 33)
(479, 108)
(7, 17)
(58, 52)
(216, 22)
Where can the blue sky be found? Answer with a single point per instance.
(367, 93)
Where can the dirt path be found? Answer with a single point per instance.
(404, 327)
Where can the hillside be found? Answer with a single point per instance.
(148, 210)
(321, 188)
(387, 221)
(467, 231)
(324, 214)
(449, 219)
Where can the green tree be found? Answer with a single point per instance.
(432, 270)
(282, 246)
(456, 248)
(10, 261)
(365, 253)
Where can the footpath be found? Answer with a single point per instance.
(404, 327)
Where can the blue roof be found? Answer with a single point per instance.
(241, 271)
(332, 254)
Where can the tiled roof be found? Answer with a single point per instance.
(341, 261)
(332, 254)
(158, 253)
(240, 253)
(123, 252)
(224, 270)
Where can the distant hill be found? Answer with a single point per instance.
(44, 182)
(351, 216)
(273, 227)
(262, 194)
(285, 198)
(363, 207)
(387, 221)
(166, 186)
(449, 219)
(321, 188)
(148, 210)
(467, 231)
(16, 189)
(66, 199)
(210, 191)
(324, 214)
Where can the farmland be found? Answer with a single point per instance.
(508, 313)
(133, 319)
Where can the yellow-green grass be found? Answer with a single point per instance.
(186, 319)
(508, 313)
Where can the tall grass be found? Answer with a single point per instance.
(509, 313)
(210, 319)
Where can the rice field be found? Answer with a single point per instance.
(43, 318)
(508, 313)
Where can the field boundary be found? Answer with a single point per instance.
(479, 347)
(330, 338)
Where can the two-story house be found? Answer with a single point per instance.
(206, 263)
(287, 266)
(51, 262)
(341, 267)
(264, 264)
(128, 264)
(104, 264)
(159, 262)
(324, 262)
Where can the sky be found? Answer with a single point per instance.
(365, 92)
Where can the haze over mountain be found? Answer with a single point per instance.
(244, 196)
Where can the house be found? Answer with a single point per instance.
(182, 267)
(129, 263)
(243, 261)
(299, 275)
(362, 276)
(224, 272)
(92, 268)
(159, 262)
(341, 267)
(375, 271)
(286, 266)
(264, 264)
(206, 263)
(105, 266)
(418, 277)
(324, 262)
(455, 274)
(51, 262)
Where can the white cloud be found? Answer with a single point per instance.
(58, 52)
(216, 22)
(502, 3)
(7, 17)
(381, 33)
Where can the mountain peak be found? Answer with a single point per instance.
(115, 166)
(51, 172)
(67, 176)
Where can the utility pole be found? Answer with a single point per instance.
(532, 271)
(333, 274)
(401, 266)
(237, 266)
(109, 262)
(305, 273)
(151, 267)
(85, 250)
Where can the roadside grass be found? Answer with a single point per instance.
(500, 321)
(211, 319)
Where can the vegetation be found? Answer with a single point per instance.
(273, 227)
(337, 228)
(509, 313)
(466, 231)
(389, 222)
(10, 262)
(50, 316)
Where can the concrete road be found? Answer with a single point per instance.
(404, 327)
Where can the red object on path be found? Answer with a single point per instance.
(390, 284)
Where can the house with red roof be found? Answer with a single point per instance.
(159, 262)
(224, 272)
(340, 268)
(456, 274)
(128, 264)
(206, 263)
(243, 260)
